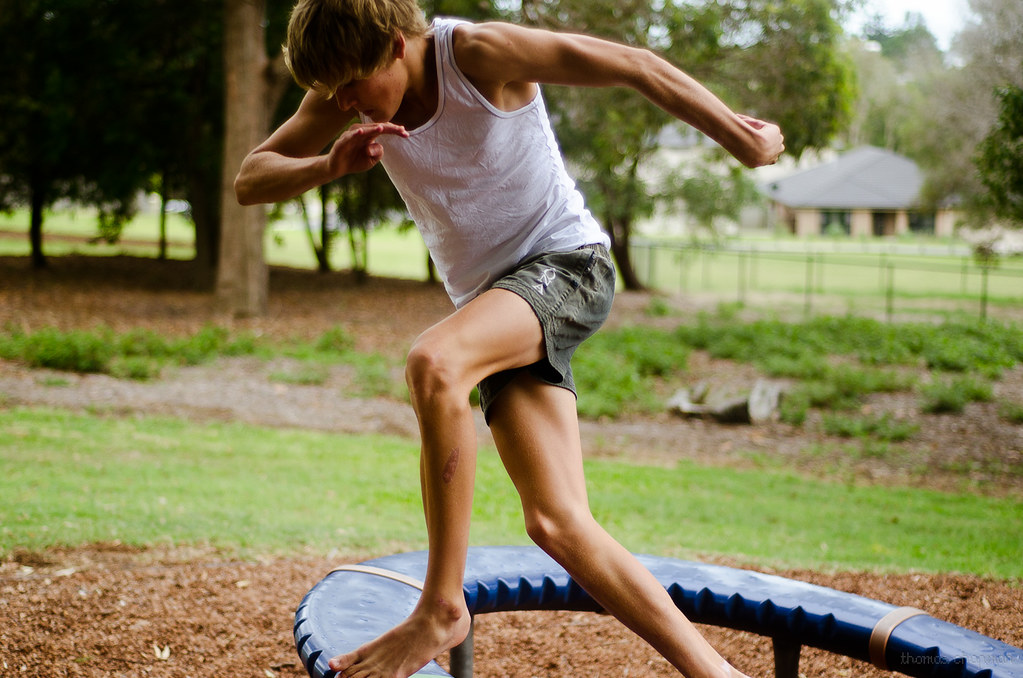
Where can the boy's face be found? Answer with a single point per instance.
(376, 97)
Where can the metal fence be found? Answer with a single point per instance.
(892, 279)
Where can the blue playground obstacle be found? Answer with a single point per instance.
(356, 603)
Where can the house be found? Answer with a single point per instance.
(867, 191)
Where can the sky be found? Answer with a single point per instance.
(944, 18)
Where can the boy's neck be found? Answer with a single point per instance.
(421, 94)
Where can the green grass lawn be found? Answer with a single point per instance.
(139, 237)
(847, 271)
(392, 252)
(842, 273)
(75, 478)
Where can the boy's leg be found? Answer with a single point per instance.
(537, 434)
(496, 331)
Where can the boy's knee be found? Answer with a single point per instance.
(556, 534)
(429, 371)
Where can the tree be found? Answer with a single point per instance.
(253, 85)
(183, 124)
(66, 113)
(961, 105)
(779, 62)
(101, 100)
(242, 275)
(911, 46)
(896, 68)
(606, 133)
(1000, 158)
(364, 202)
(709, 194)
(784, 62)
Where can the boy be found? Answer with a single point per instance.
(454, 112)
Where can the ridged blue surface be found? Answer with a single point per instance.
(346, 609)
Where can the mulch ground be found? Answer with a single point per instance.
(111, 610)
(107, 610)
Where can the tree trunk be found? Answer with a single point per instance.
(35, 229)
(323, 254)
(242, 273)
(162, 256)
(619, 230)
(205, 202)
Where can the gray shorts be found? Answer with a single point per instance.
(571, 295)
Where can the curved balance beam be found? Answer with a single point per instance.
(356, 603)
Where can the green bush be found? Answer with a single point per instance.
(306, 376)
(616, 371)
(336, 340)
(74, 351)
(952, 395)
(143, 342)
(794, 407)
(1011, 412)
(884, 427)
(658, 308)
(802, 367)
(136, 354)
(652, 352)
(375, 377)
(139, 368)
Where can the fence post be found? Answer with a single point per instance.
(809, 285)
(651, 266)
(704, 253)
(742, 278)
(890, 293)
(983, 291)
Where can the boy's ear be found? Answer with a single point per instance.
(399, 45)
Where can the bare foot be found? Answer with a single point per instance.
(409, 646)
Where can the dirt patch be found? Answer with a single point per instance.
(110, 610)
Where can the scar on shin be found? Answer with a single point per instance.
(449, 466)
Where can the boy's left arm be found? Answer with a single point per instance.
(506, 55)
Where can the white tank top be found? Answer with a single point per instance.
(487, 188)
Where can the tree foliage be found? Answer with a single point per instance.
(896, 68)
(778, 61)
(99, 97)
(1000, 158)
(784, 62)
(937, 109)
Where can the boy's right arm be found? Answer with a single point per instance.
(500, 57)
(290, 162)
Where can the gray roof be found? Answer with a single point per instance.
(865, 178)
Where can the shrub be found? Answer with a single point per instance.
(74, 351)
(336, 340)
(1011, 412)
(952, 395)
(309, 376)
(142, 342)
(135, 367)
(884, 427)
(794, 407)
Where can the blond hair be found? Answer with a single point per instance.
(332, 42)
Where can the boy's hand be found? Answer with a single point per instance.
(770, 143)
(357, 149)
